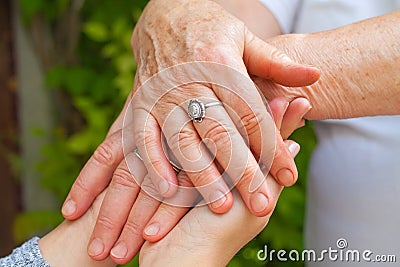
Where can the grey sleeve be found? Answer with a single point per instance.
(27, 255)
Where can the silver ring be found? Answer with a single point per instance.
(174, 165)
(197, 109)
(137, 153)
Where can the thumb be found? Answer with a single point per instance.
(266, 61)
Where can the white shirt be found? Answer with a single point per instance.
(354, 177)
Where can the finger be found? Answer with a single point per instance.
(131, 239)
(294, 116)
(238, 220)
(95, 176)
(265, 140)
(293, 147)
(196, 160)
(276, 170)
(287, 118)
(121, 193)
(264, 60)
(283, 167)
(248, 110)
(149, 143)
(167, 216)
(235, 157)
(278, 108)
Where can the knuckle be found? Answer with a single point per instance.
(247, 177)
(169, 212)
(150, 144)
(183, 140)
(106, 222)
(215, 53)
(218, 133)
(203, 177)
(133, 228)
(157, 165)
(122, 178)
(81, 185)
(251, 121)
(103, 155)
(277, 55)
(184, 180)
(142, 136)
(148, 187)
(147, 132)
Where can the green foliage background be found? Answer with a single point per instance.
(95, 87)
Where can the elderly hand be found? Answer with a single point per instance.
(359, 74)
(173, 32)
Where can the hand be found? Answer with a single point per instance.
(173, 32)
(358, 69)
(202, 238)
(123, 230)
(65, 245)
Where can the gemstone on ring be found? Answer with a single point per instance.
(196, 110)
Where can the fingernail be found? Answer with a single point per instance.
(119, 251)
(285, 176)
(219, 198)
(152, 229)
(69, 208)
(258, 202)
(163, 187)
(96, 247)
(294, 149)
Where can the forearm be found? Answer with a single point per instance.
(359, 69)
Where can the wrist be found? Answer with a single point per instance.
(324, 95)
(183, 251)
(348, 86)
(66, 245)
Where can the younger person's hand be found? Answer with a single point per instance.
(132, 213)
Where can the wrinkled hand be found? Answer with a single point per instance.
(173, 32)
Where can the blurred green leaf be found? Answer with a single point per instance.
(95, 30)
(29, 8)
